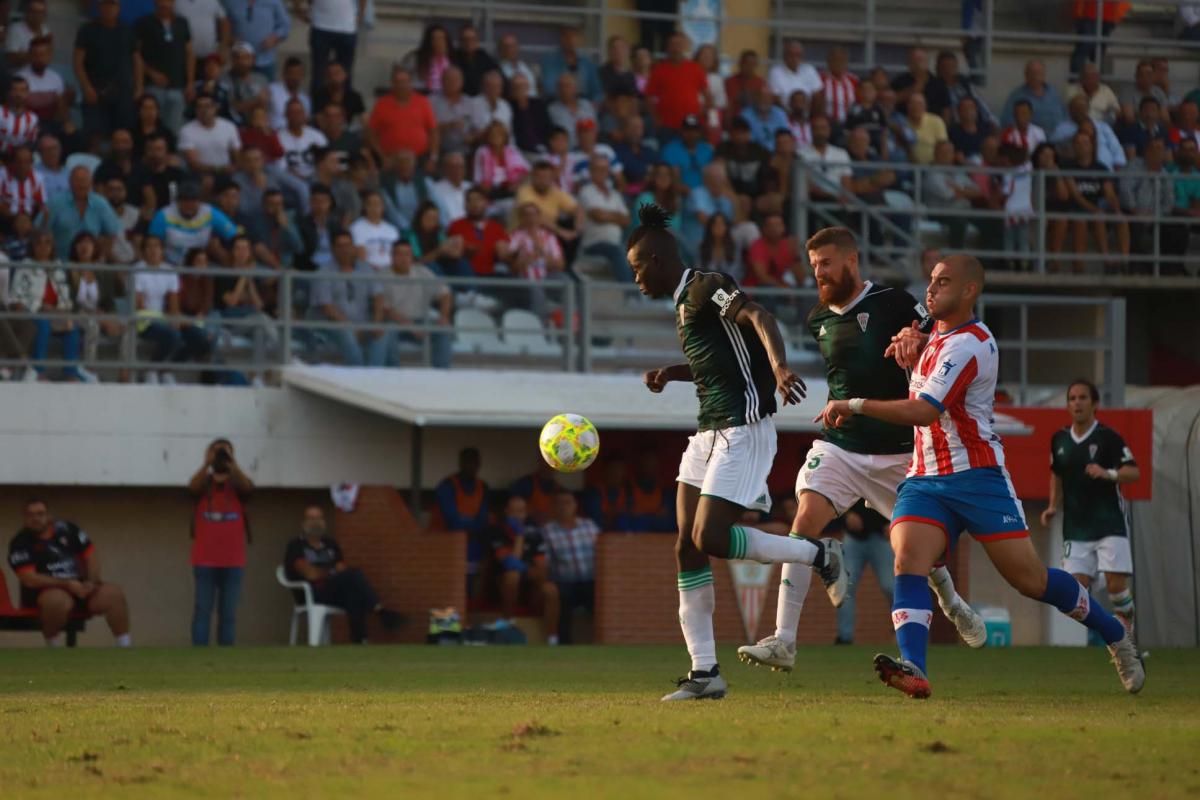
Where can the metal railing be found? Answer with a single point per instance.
(907, 225)
(600, 325)
(866, 28)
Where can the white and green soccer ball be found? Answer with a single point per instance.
(569, 443)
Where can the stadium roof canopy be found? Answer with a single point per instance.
(523, 399)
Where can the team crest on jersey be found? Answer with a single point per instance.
(945, 368)
(1092, 449)
(862, 321)
(750, 581)
(723, 299)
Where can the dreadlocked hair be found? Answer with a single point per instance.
(654, 221)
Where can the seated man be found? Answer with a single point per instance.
(315, 557)
(608, 502)
(59, 572)
(518, 552)
(571, 553)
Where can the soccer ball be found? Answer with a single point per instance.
(569, 443)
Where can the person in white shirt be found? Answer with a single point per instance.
(511, 64)
(208, 24)
(300, 141)
(289, 89)
(833, 162)
(605, 219)
(122, 250)
(488, 107)
(156, 293)
(209, 143)
(450, 193)
(373, 235)
(793, 74)
(49, 97)
(24, 31)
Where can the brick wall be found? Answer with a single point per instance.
(637, 601)
(413, 570)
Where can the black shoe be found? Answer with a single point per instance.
(840, 640)
(391, 619)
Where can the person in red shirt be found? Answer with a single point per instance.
(743, 87)
(220, 532)
(678, 87)
(773, 256)
(485, 241)
(403, 120)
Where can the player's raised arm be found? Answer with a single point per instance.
(789, 385)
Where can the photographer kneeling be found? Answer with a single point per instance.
(220, 532)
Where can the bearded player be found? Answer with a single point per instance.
(864, 458)
(958, 482)
(735, 357)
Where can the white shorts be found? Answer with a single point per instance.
(842, 477)
(732, 463)
(1110, 554)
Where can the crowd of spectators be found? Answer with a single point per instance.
(180, 140)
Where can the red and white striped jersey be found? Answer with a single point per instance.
(802, 131)
(1030, 139)
(17, 129)
(841, 92)
(957, 373)
(22, 195)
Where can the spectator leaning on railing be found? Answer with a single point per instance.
(220, 532)
(156, 293)
(1151, 195)
(337, 298)
(409, 298)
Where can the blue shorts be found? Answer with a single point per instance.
(513, 564)
(981, 501)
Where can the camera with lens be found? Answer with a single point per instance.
(221, 461)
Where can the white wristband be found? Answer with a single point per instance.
(1112, 475)
(856, 405)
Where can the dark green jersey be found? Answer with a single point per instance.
(734, 380)
(1092, 507)
(852, 341)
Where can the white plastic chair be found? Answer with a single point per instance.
(476, 333)
(523, 332)
(318, 613)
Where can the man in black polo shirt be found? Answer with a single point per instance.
(168, 66)
(316, 557)
(59, 572)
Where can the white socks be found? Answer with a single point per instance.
(943, 586)
(793, 588)
(124, 640)
(57, 640)
(1122, 602)
(767, 548)
(696, 603)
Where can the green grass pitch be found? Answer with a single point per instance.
(586, 722)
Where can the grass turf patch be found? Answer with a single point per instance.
(543, 722)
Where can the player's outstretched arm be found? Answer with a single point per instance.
(906, 346)
(789, 385)
(657, 379)
(914, 411)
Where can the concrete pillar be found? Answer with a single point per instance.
(737, 37)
